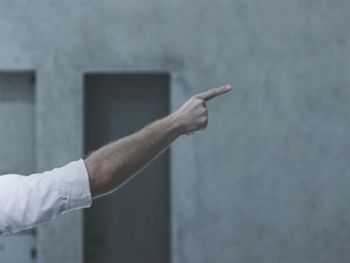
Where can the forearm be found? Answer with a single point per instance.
(118, 161)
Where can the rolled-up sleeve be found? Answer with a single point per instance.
(27, 201)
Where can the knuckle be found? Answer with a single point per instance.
(193, 98)
(196, 97)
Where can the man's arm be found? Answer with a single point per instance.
(26, 201)
(118, 161)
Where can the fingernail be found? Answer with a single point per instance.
(228, 87)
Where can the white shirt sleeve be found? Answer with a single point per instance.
(27, 201)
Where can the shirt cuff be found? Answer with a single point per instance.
(74, 182)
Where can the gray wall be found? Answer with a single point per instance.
(268, 181)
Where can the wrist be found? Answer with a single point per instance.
(175, 125)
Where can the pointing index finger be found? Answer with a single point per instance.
(212, 93)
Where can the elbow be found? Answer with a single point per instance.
(98, 178)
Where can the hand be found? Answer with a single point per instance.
(193, 114)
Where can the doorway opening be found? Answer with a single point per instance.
(132, 224)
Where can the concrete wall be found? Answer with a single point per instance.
(268, 181)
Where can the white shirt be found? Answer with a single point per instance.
(26, 201)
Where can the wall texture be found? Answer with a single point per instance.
(268, 181)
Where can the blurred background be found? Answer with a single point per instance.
(267, 182)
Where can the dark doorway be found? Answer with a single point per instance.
(17, 150)
(132, 224)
